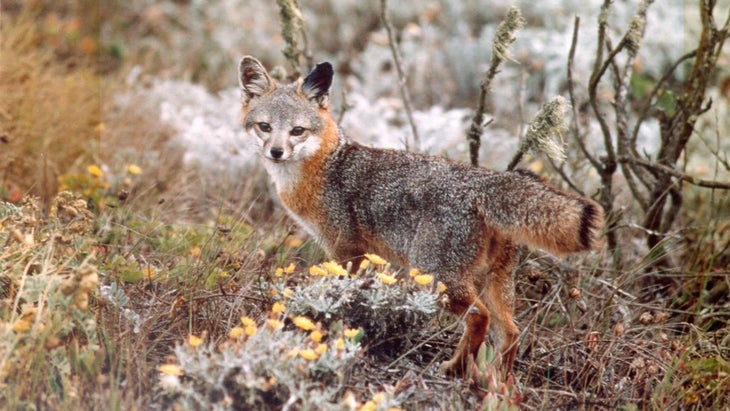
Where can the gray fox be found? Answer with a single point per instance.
(458, 222)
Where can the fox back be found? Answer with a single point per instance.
(459, 222)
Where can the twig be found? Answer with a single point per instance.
(571, 94)
(675, 173)
(401, 74)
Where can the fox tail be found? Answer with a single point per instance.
(535, 213)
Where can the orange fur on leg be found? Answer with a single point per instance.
(476, 316)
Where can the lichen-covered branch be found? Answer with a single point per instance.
(503, 39)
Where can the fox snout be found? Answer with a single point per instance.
(276, 153)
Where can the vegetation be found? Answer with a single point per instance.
(132, 279)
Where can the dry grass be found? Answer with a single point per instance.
(49, 110)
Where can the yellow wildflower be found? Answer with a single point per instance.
(423, 279)
(321, 349)
(387, 279)
(134, 169)
(334, 268)
(279, 272)
(290, 268)
(364, 264)
(235, 333)
(170, 369)
(292, 353)
(94, 171)
(441, 287)
(308, 354)
(340, 344)
(368, 406)
(278, 308)
(316, 336)
(316, 270)
(352, 333)
(21, 325)
(376, 259)
(304, 323)
(378, 398)
(249, 326)
(287, 292)
(414, 272)
(274, 323)
(194, 341)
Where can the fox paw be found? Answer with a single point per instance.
(454, 367)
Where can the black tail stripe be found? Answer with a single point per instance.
(587, 225)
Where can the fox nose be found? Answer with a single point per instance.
(276, 152)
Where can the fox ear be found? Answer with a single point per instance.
(316, 86)
(253, 78)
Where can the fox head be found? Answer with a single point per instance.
(287, 119)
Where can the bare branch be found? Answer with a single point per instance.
(660, 168)
(401, 74)
(571, 93)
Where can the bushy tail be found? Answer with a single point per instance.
(535, 213)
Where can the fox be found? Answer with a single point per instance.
(459, 222)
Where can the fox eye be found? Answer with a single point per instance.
(297, 131)
(265, 127)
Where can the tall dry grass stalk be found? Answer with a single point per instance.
(49, 112)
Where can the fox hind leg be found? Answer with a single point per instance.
(499, 299)
(466, 303)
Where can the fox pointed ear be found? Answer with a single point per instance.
(253, 78)
(316, 85)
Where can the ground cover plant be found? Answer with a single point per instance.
(145, 265)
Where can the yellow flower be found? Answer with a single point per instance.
(316, 336)
(149, 272)
(321, 349)
(249, 326)
(423, 279)
(414, 272)
(194, 341)
(376, 259)
(134, 169)
(304, 323)
(287, 292)
(292, 353)
(441, 287)
(21, 325)
(308, 354)
(94, 171)
(170, 369)
(340, 344)
(387, 279)
(352, 333)
(378, 398)
(334, 268)
(316, 270)
(274, 323)
(278, 308)
(290, 268)
(364, 264)
(235, 333)
(279, 272)
(368, 406)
